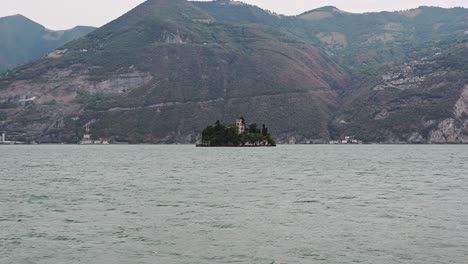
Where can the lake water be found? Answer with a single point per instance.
(180, 204)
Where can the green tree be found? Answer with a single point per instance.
(264, 130)
(253, 128)
(207, 135)
(232, 136)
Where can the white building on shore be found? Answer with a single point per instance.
(87, 139)
(346, 140)
(4, 141)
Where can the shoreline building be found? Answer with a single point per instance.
(346, 140)
(4, 141)
(87, 137)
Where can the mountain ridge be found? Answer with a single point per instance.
(25, 18)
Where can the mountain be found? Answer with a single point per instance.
(362, 40)
(23, 40)
(379, 50)
(421, 99)
(410, 73)
(166, 69)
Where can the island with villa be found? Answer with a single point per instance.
(236, 135)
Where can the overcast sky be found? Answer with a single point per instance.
(64, 14)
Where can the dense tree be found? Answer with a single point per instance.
(264, 130)
(232, 136)
(253, 128)
(220, 135)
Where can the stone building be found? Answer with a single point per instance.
(240, 124)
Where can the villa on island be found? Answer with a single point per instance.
(237, 135)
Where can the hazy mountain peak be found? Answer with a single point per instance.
(20, 19)
(17, 20)
(325, 9)
(230, 2)
(321, 13)
(17, 16)
(23, 40)
(167, 9)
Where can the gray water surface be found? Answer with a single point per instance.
(181, 204)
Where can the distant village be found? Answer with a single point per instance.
(346, 140)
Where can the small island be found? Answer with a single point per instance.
(237, 135)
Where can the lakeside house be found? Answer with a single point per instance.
(346, 140)
(87, 139)
(4, 141)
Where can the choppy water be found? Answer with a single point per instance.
(181, 204)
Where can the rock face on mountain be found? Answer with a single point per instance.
(166, 69)
(414, 101)
(163, 71)
(23, 40)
